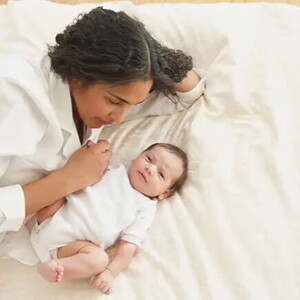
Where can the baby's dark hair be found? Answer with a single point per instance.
(108, 46)
(181, 155)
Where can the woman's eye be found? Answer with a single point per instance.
(114, 101)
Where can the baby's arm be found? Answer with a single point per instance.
(120, 261)
(45, 212)
(131, 238)
(123, 255)
(50, 210)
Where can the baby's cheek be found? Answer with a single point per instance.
(158, 186)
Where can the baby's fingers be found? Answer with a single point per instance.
(109, 291)
(96, 281)
(104, 287)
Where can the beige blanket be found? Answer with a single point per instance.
(233, 232)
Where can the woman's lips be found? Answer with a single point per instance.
(101, 122)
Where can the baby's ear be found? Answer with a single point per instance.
(166, 194)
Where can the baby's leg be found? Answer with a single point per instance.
(50, 210)
(51, 271)
(79, 259)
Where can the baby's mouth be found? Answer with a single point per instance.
(143, 176)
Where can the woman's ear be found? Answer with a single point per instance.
(166, 194)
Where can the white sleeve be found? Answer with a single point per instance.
(136, 231)
(12, 208)
(20, 131)
(159, 104)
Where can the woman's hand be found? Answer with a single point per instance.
(103, 281)
(87, 165)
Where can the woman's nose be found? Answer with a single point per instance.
(119, 113)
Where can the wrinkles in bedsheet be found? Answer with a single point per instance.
(233, 231)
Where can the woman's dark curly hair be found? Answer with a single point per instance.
(169, 66)
(108, 46)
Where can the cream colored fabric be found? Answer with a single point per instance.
(233, 231)
(294, 2)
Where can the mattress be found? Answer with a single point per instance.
(233, 231)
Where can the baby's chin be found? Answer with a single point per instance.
(137, 186)
(145, 193)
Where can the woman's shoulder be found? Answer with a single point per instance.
(22, 79)
(20, 91)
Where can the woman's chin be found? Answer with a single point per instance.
(95, 124)
(99, 123)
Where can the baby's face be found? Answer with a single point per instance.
(155, 171)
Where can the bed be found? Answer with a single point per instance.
(233, 232)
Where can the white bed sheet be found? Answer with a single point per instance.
(233, 232)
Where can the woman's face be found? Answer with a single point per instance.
(105, 103)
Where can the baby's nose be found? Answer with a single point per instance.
(150, 169)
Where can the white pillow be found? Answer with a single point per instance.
(28, 26)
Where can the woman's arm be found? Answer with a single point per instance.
(85, 167)
(188, 83)
(188, 91)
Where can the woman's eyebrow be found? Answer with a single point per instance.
(124, 100)
(119, 98)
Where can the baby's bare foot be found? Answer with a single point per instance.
(51, 271)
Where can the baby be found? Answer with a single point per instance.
(120, 208)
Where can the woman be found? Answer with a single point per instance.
(101, 66)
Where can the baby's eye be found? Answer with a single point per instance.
(161, 175)
(149, 158)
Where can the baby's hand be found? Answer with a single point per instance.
(103, 281)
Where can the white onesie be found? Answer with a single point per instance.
(101, 213)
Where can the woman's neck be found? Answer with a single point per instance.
(77, 121)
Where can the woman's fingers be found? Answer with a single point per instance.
(102, 146)
(102, 149)
(89, 143)
(104, 143)
(87, 165)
